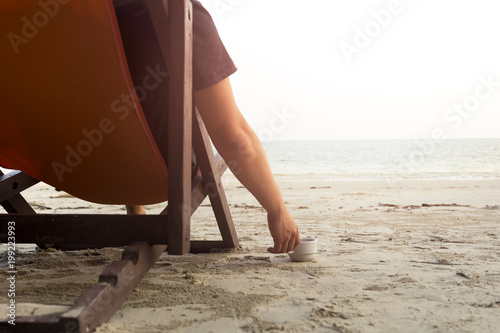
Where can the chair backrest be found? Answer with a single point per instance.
(69, 114)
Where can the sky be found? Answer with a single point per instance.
(359, 69)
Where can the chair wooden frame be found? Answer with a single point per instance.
(145, 237)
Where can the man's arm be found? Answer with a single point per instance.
(244, 154)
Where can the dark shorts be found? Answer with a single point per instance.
(211, 62)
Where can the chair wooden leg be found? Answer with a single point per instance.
(11, 185)
(176, 42)
(212, 182)
(17, 205)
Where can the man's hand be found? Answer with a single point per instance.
(284, 231)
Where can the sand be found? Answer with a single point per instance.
(411, 256)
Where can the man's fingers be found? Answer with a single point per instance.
(277, 248)
(274, 249)
(297, 240)
(285, 245)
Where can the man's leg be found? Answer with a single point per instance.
(135, 210)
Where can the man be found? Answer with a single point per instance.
(230, 133)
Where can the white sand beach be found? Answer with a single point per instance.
(413, 256)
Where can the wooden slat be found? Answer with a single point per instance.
(14, 183)
(180, 126)
(206, 246)
(36, 324)
(197, 195)
(98, 303)
(212, 182)
(176, 44)
(11, 185)
(107, 230)
(17, 205)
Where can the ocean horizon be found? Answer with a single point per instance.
(449, 159)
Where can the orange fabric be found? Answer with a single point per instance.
(69, 115)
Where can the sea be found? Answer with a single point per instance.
(448, 159)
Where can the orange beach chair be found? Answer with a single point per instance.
(70, 117)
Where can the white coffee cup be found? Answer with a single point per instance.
(305, 250)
